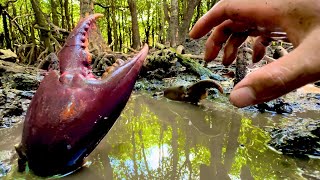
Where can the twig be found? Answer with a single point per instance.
(48, 30)
(14, 22)
(111, 44)
(21, 16)
(57, 29)
(31, 54)
(108, 6)
(192, 56)
(55, 41)
(131, 49)
(20, 48)
(43, 52)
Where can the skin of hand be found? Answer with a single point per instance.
(233, 21)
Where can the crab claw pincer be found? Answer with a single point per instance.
(72, 110)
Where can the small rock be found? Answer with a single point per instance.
(8, 55)
(25, 82)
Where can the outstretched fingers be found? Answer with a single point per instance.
(220, 35)
(292, 71)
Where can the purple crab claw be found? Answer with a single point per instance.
(72, 110)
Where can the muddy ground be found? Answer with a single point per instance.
(300, 137)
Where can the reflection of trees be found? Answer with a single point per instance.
(222, 148)
(134, 155)
(155, 150)
(174, 147)
(182, 141)
(187, 164)
(144, 154)
(254, 159)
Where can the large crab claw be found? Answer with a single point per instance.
(72, 110)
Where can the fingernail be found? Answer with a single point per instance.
(243, 97)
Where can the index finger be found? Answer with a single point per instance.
(258, 14)
(211, 19)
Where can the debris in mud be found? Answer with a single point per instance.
(278, 106)
(174, 63)
(299, 139)
(13, 106)
(167, 67)
(4, 169)
(144, 84)
(17, 89)
(25, 82)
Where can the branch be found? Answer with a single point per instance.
(15, 22)
(21, 16)
(43, 53)
(7, 4)
(108, 6)
(52, 31)
(55, 41)
(144, 154)
(30, 55)
(12, 1)
(22, 47)
(57, 29)
(166, 10)
(193, 56)
(131, 49)
(101, 5)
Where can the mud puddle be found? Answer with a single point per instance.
(162, 139)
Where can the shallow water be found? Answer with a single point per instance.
(161, 139)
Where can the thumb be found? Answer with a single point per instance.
(290, 72)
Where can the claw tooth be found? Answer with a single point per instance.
(109, 69)
(119, 62)
(83, 32)
(75, 53)
(89, 58)
(83, 39)
(86, 27)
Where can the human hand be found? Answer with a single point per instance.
(235, 20)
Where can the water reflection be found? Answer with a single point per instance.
(157, 139)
